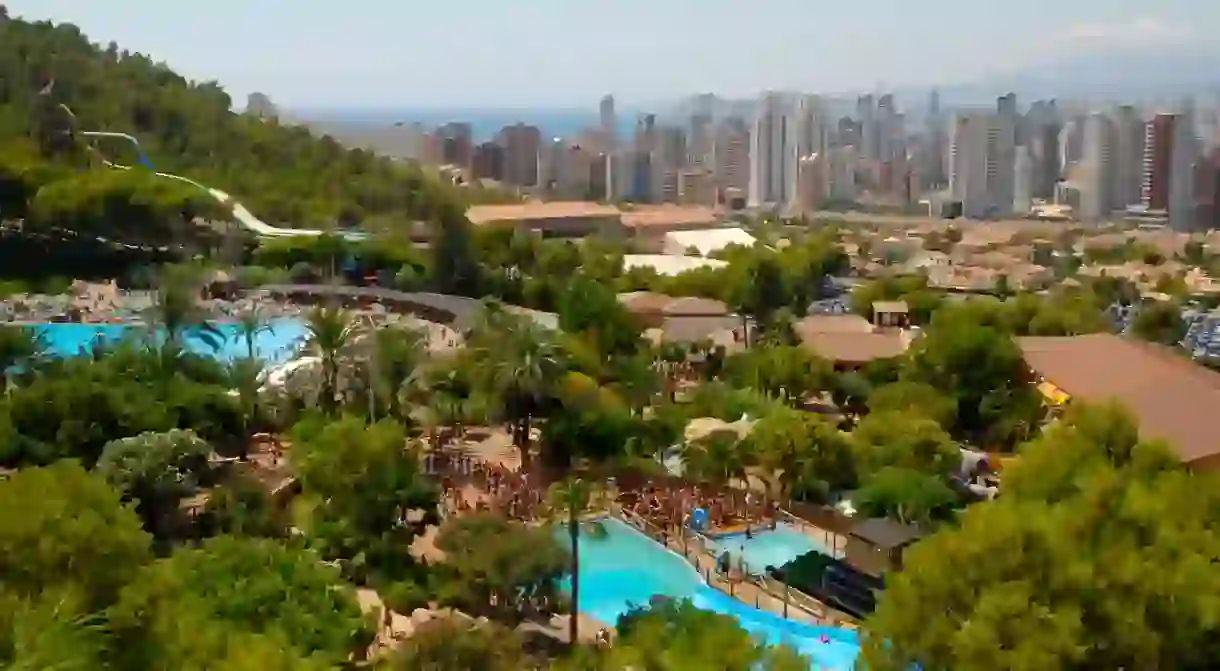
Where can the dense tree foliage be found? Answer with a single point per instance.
(225, 588)
(1100, 554)
(364, 498)
(501, 568)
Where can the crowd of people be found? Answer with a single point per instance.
(470, 484)
(673, 506)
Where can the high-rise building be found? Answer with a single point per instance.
(1002, 153)
(1158, 153)
(457, 143)
(1098, 167)
(696, 187)
(870, 133)
(1128, 156)
(700, 140)
(887, 127)
(813, 182)
(670, 160)
(1183, 159)
(808, 136)
(521, 144)
(620, 174)
(1022, 199)
(970, 135)
(731, 153)
(772, 158)
(487, 161)
(933, 169)
(609, 120)
(841, 173)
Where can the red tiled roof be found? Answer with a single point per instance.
(1173, 398)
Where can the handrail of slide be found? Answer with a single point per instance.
(240, 213)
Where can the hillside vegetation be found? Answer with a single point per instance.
(281, 173)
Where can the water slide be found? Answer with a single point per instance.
(242, 215)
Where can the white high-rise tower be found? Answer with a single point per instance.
(772, 154)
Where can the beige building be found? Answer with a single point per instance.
(812, 183)
(696, 186)
(567, 219)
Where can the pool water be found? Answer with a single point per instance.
(765, 547)
(622, 569)
(274, 345)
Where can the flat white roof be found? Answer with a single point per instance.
(668, 264)
(711, 239)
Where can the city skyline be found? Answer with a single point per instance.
(367, 53)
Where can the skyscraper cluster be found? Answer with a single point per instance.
(799, 153)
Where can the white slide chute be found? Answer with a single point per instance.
(241, 215)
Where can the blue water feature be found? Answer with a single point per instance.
(275, 345)
(623, 569)
(765, 547)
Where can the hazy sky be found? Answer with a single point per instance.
(530, 53)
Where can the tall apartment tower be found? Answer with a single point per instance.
(1022, 199)
(700, 139)
(1158, 152)
(731, 155)
(1044, 151)
(886, 127)
(934, 154)
(1002, 154)
(1099, 167)
(521, 144)
(608, 120)
(1128, 156)
(670, 159)
(870, 136)
(808, 136)
(770, 146)
(970, 134)
(1183, 159)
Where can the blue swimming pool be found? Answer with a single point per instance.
(623, 568)
(276, 345)
(766, 547)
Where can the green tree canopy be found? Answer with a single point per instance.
(64, 528)
(967, 354)
(502, 569)
(675, 635)
(454, 645)
(1100, 553)
(238, 586)
(363, 493)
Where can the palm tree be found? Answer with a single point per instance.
(571, 500)
(522, 378)
(250, 325)
(244, 376)
(331, 330)
(177, 312)
(393, 357)
(518, 363)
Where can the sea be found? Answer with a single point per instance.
(485, 123)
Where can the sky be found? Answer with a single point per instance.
(568, 53)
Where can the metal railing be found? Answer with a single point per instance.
(695, 545)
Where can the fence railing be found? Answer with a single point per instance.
(694, 546)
